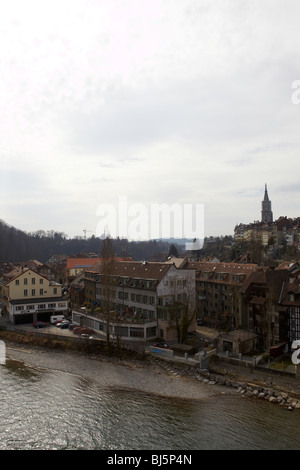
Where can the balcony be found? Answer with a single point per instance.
(115, 316)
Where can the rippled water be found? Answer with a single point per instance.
(55, 410)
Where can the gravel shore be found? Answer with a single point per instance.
(110, 373)
(160, 378)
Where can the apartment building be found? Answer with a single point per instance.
(261, 302)
(218, 292)
(29, 296)
(148, 298)
(289, 305)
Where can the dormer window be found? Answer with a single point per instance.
(292, 297)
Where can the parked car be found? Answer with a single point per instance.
(64, 325)
(162, 345)
(85, 336)
(77, 330)
(62, 322)
(55, 318)
(40, 324)
(81, 329)
(200, 322)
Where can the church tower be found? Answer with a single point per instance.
(266, 212)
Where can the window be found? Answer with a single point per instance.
(17, 282)
(33, 292)
(25, 292)
(41, 306)
(41, 291)
(41, 281)
(54, 290)
(136, 332)
(33, 280)
(25, 281)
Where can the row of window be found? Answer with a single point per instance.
(136, 282)
(41, 292)
(223, 277)
(178, 282)
(146, 299)
(41, 306)
(25, 281)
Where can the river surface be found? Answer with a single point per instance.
(50, 409)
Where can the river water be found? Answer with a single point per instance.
(47, 409)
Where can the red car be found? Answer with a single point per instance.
(40, 324)
(83, 330)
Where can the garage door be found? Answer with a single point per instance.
(23, 318)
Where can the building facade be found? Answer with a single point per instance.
(30, 297)
(218, 292)
(147, 299)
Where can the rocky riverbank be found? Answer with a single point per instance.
(253, 390)
(155, 376)
(279, 390)
(151, 374)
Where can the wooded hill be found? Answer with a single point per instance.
(19, 246)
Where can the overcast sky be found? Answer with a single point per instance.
(155, 101)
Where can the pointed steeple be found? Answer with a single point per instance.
(266, 212)
(266, 198)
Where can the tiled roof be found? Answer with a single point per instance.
(15, 274)
(81, 262)
(234, 268)
(135, 269)
(85, 262)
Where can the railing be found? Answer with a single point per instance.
(114, 317)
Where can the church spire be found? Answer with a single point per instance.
(266, 198)
(266, 212)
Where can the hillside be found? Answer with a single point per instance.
(18, 246)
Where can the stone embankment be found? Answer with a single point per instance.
(274, 395)
(253, 390)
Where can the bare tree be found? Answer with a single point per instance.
(107, 281)
(235, 306)
(180, 308)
